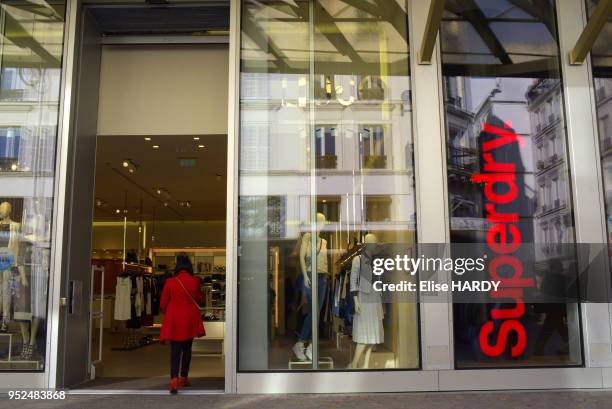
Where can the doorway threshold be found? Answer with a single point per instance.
(94, 391)
(152, 385)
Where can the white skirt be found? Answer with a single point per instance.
(368, 323)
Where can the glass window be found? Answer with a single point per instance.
(325, 145)
(601, 58)
(506, 155)
(30, 60)
(325, 101)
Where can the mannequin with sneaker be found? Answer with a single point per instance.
(368, 319)
(307, 257)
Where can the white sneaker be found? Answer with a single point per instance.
(308, 352)
(298, 350)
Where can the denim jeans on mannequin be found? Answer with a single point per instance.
(306, 331)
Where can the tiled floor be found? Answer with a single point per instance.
(473, 400)
(148, 367)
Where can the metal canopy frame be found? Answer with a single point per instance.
(591, 31)
(434, 18)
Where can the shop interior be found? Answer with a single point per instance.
(160, 188)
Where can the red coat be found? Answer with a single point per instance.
(182, 318)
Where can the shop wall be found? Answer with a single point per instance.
(169, 97)
(167, 234)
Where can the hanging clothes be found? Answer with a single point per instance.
(123, 304)
(138, 296)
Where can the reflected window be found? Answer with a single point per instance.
(324, 85)
(325, 146)
(601, 58)
(373, 147)
(378, 208)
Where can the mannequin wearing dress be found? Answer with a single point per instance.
(367, 323)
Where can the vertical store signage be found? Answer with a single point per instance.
(507, 214)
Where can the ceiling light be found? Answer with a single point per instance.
(117, 211)
(163, 193)
(147, 139)
(196, 138)
(165, 204)
(200, 146)
(129, 165)
(14, 166)
(155, 146)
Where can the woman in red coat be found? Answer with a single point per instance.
(182, 320)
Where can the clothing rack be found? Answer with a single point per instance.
(133, 337)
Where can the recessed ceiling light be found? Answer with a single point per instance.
(200, 146)
(196, 138)
(155, 146)
(129, 165)
(166, 204)
(147, 139)
(117, 211)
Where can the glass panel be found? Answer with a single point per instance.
(507, 156)
(30, 59)
(601, 59)
(326, 127)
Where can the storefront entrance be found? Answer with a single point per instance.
(148, 185)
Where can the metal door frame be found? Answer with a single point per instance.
(66, 120)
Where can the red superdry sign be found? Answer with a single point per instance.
(503, 185)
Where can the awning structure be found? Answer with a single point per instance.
(480, 22)
(434, 18)
(511, 37)
(591, 31)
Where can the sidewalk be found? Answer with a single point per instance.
(467, 400)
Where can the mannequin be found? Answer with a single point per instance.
(368, 320)
(10, 241)
(319, 259)
(9, 251)
(38, 274)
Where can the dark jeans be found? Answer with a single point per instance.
(180, 356)
(306, 331)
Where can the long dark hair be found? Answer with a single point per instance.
(183, 264)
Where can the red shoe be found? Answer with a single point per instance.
(174, 384)
(184, 382)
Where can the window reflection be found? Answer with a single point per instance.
(601, 58)
(505, 128)
(326, 127)
(30, 59)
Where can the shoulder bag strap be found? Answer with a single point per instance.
(188, 293)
